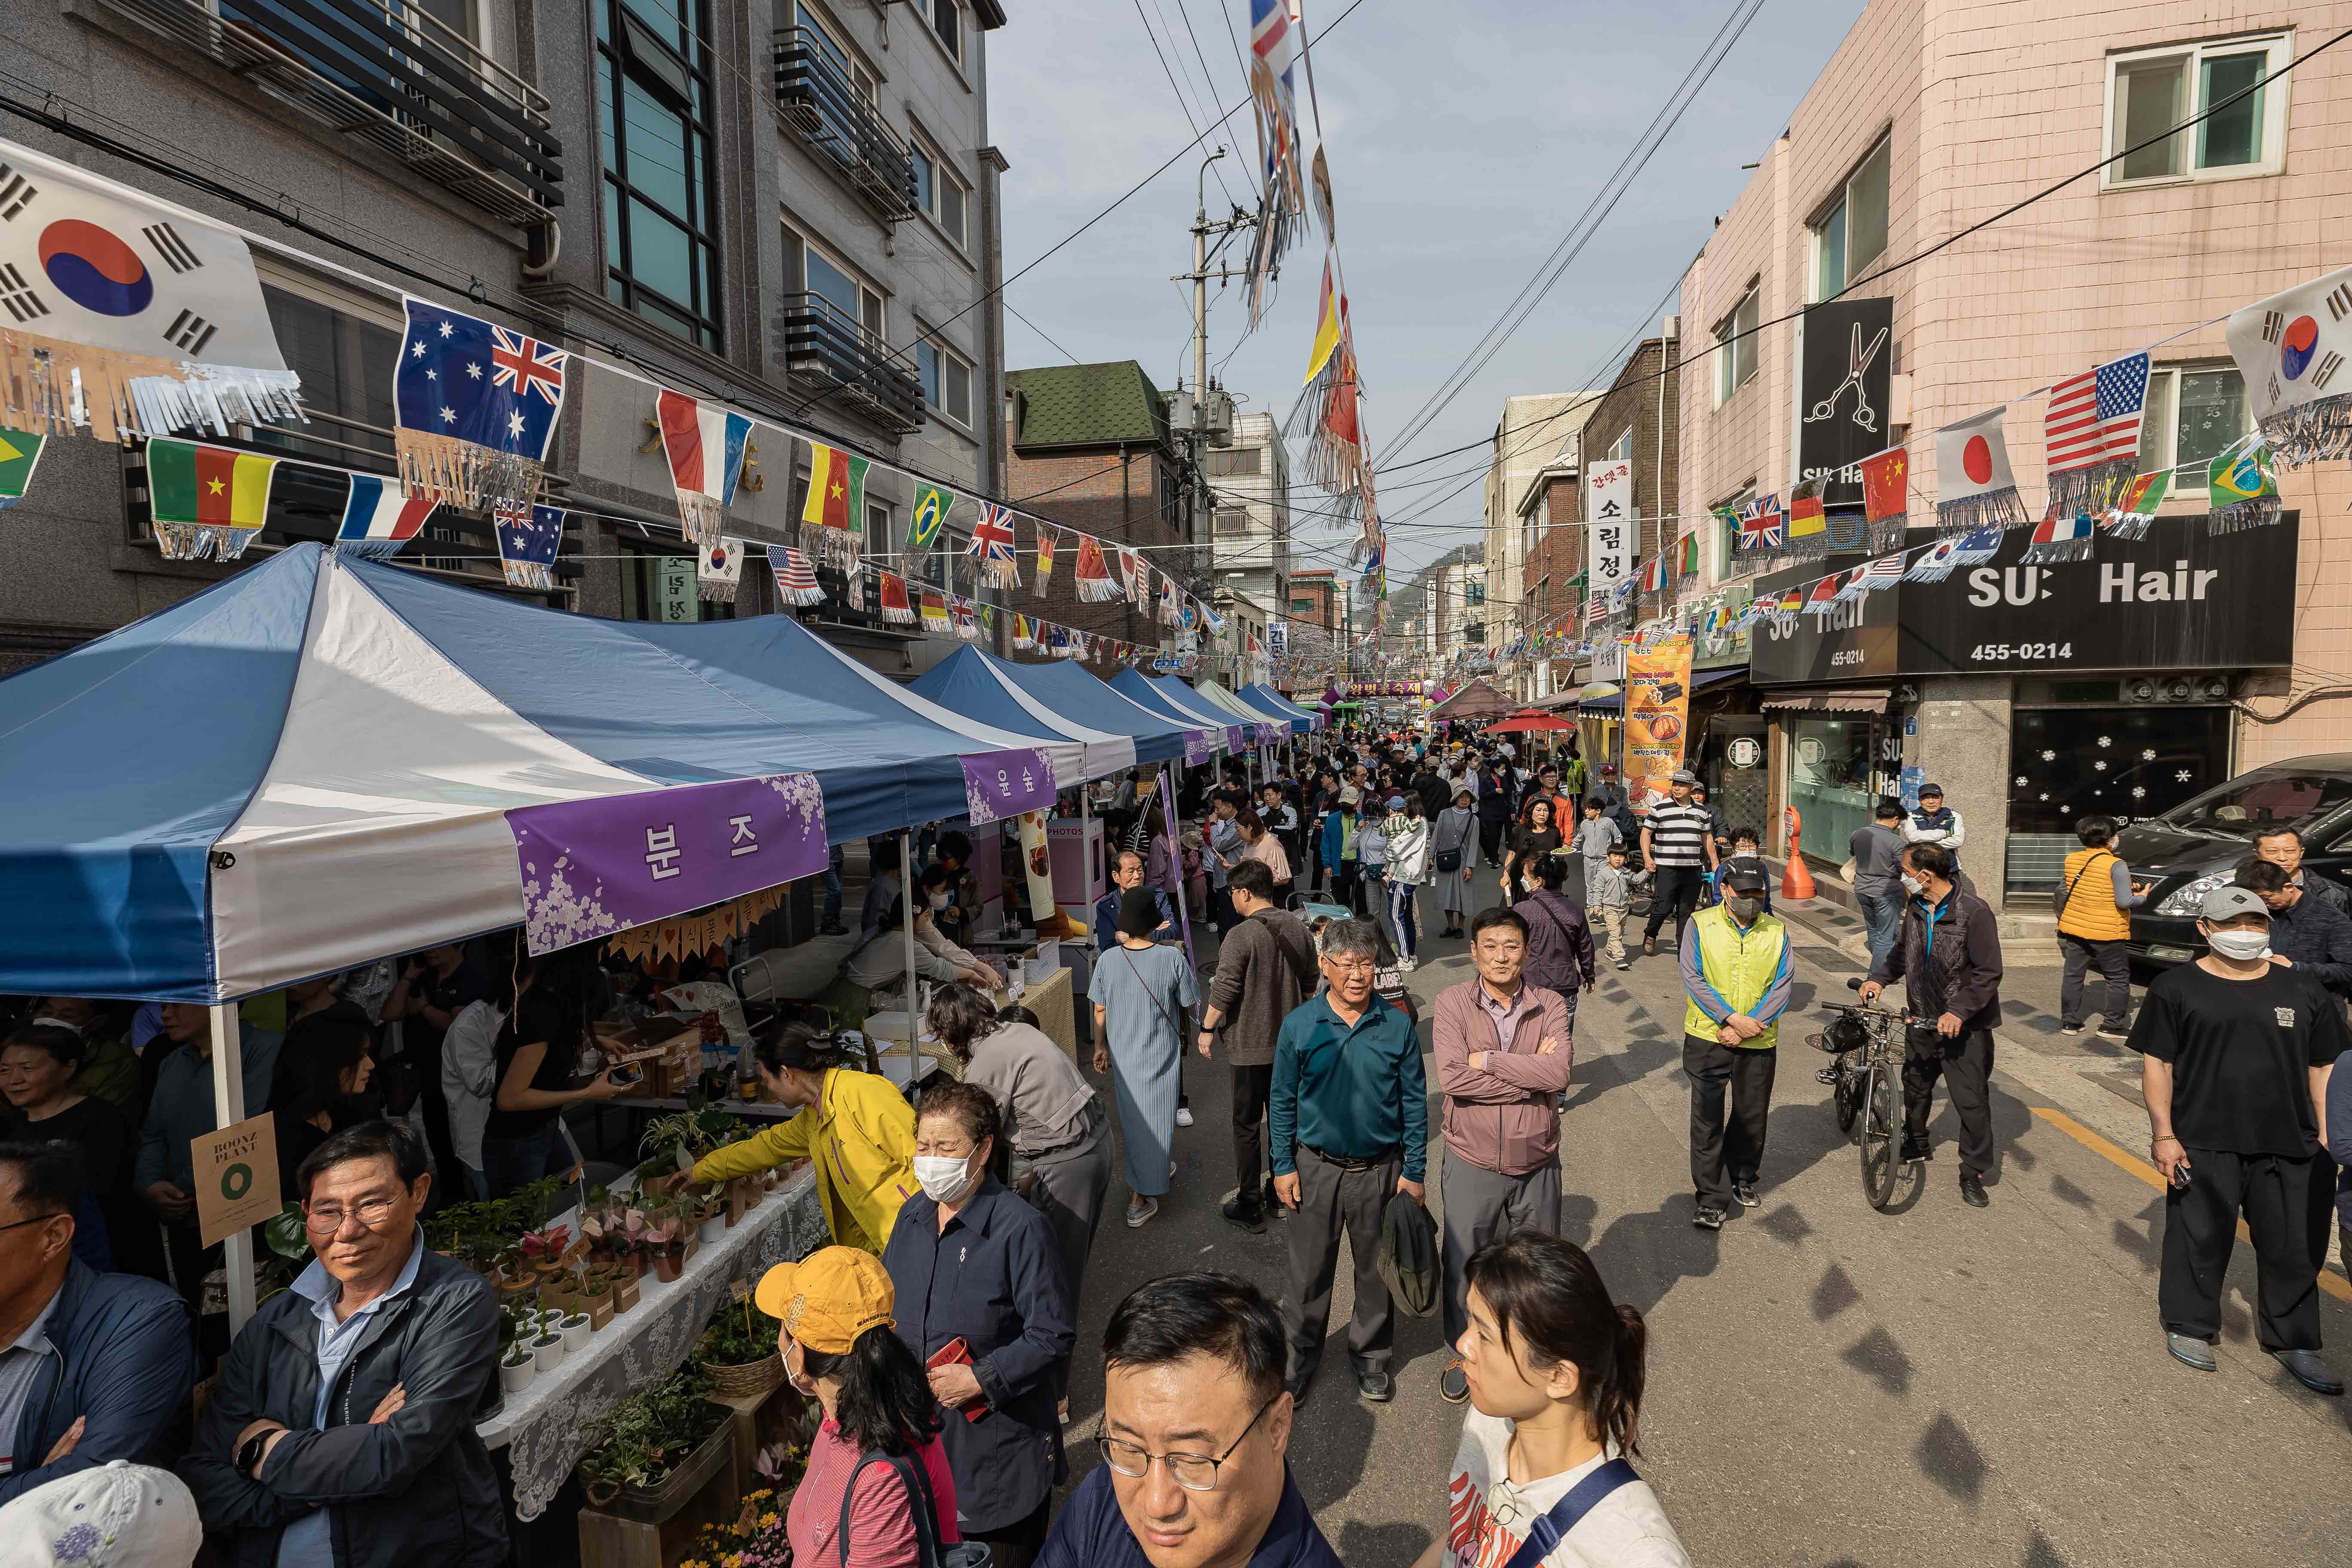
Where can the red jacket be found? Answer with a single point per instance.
(1501, 1117)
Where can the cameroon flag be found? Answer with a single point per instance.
(836, 493)
(210, 486)
(19, 450)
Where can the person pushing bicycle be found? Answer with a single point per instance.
(1948, 953)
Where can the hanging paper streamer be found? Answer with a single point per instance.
(1783, 610)
(1824, 596)
(1947, 556)
(528, 538)
(1809, 524)
(835, 507)
(704, 443)
(2060, 537)
(1885, 571)
(718, 569)
(2240, 486)
(1137, 575)
(2090, 435)
(378, 519)
(796, 580)
(2135, 504)
(935, 613)
(1045, 557)
(1167, 597)
(206, 500)
(894, 606)
(1092, 578)
(932, 504)
(1974, 487)
(1886, 496)
(967, 626)
(988, 621)
(1282, 203)
(1022, 638)
(127, 316)
(474, 407)
(992, 546)
(2290, 349)
(19, 451)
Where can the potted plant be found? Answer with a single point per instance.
(711, 1213)
(542, 1251)
(666, 1243)
(576, 1327)
(657, 1448)
(597, 1298)
(517, 1367)
(547, 1350)
(739, 1351)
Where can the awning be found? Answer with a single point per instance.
(1860, 699)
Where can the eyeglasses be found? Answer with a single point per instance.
(45, 1218)
(326, 1219)
(1353, 965)
(1193, 1472)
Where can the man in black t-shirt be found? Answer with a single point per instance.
(2235, 1051)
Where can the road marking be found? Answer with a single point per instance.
(2331, 1283)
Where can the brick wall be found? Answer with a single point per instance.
(1120, 497)
(1326, 604)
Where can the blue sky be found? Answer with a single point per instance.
(1465, 140)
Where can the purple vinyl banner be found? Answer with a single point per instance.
(1198, 747)
(998, 784)
(1273, 734)
(591, 868)
(1236, 739)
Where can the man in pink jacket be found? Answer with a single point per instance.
(1502, 1055)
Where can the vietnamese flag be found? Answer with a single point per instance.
(836, 493)
(210, 486)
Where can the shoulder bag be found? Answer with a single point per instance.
(2068, 897)
(1548, 1530)
(929, 1552)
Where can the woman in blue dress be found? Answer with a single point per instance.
(1140, 990)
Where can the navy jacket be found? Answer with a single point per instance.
(992, 1279)
(126, 1358)
(416, 1489)
(2316, 937)
(1092, 1534)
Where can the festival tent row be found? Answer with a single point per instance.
(969, 683)
(312, 764)
(1059, 695)
(1271, 702)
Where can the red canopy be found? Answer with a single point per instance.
(1530, 719)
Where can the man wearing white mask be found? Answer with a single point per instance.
(1948, 953)
(2235, 1053)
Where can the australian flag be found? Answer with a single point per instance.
(528, 538)
(474, 407)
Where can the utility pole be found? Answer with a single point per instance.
(1204, 503)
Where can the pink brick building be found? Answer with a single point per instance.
(1932, 116)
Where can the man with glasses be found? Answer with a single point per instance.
(1348, 1119)
(342, 1434)
(1195, 1430)
(93, 1367)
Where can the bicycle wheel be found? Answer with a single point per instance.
(1882, 1134)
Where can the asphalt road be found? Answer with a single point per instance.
(1830, 1385)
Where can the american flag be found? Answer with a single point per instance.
(2094, 417)
(796, 580)
(992, 544)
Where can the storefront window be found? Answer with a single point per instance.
(658, 585)
(1829, 780)
(2067, 763)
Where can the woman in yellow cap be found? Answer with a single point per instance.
(875, 1461)
(856, 1126)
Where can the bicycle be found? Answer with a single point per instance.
(1866, 1085)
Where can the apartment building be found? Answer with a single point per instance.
(1249, 492)
(793, 208)
(1317, 597)
(1532, 431)
(2034, 694)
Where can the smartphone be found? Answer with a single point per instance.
(2180, 1174)
(628, 1076)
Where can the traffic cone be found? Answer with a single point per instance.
(1796, 881)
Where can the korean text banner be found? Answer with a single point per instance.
(591, 868)
(998, 784)
(1657, 715)
(1616, 531)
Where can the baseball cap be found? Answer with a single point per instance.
(119, 1515)
(1683, 775)
(828, 1299)
(2230, 901)
(1928, 789)
(1396, 803)
(1744, 878)
(1609, 770)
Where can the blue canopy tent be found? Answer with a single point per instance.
(978, 684)
(307, 766)
(1140, 689)
(1267, 700)
(1077, 694)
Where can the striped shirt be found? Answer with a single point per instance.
(1678, 834)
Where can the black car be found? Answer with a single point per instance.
(2199, 845)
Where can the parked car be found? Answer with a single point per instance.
(2199, 845)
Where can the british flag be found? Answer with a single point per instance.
(991, 545)
(1760, 524)
(527, 366)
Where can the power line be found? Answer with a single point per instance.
(1183, 105)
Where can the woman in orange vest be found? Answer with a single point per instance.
(2094, 891)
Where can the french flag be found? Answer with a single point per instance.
(378, 519)
(704, 443)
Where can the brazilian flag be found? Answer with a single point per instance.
(19, 450)
(932, 503)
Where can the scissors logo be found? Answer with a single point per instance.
(1859, 360)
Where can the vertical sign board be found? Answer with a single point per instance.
(237, 1177)
(1616, 537)
(1845, 366)
(1657, 716)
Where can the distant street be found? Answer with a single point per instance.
(1830, 1385)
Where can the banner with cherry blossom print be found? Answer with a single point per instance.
(591, 868)
(998, 784)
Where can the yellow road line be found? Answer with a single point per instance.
(2333, 1284)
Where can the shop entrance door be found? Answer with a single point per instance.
(2067, 763)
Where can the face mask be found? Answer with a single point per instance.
(939, 901)
(2242, 946)
(803, 1383)
(1743, 909)
(1913, 885)
(944, 1178)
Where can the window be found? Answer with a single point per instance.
(658, 585)
(1227, 462)
(661, 241)
(947, 381)
(2193, 413)
(1735, 345)
(1852, 235)
(1476, 592)
(2151, 91)
(946, 21)
(1234, 519)
(1622, 448)
(1299, 605)
(879, 534)
(940, 194)
(347, 365)
(834, 287)
(845, 63)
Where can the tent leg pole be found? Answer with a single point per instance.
(1088, 861)
(228, 1109)
(1176, 854)
(906, 900)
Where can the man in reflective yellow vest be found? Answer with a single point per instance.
(1736, 977)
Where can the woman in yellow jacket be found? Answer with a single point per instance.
(2095, 890)
(856, 1126)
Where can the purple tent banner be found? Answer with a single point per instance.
(1198, 747)
(998, 784)
(1236, 739)
(591, 868)
(1273, 734)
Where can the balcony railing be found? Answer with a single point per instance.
(828, 113)
(825, 348)
(384, 73)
